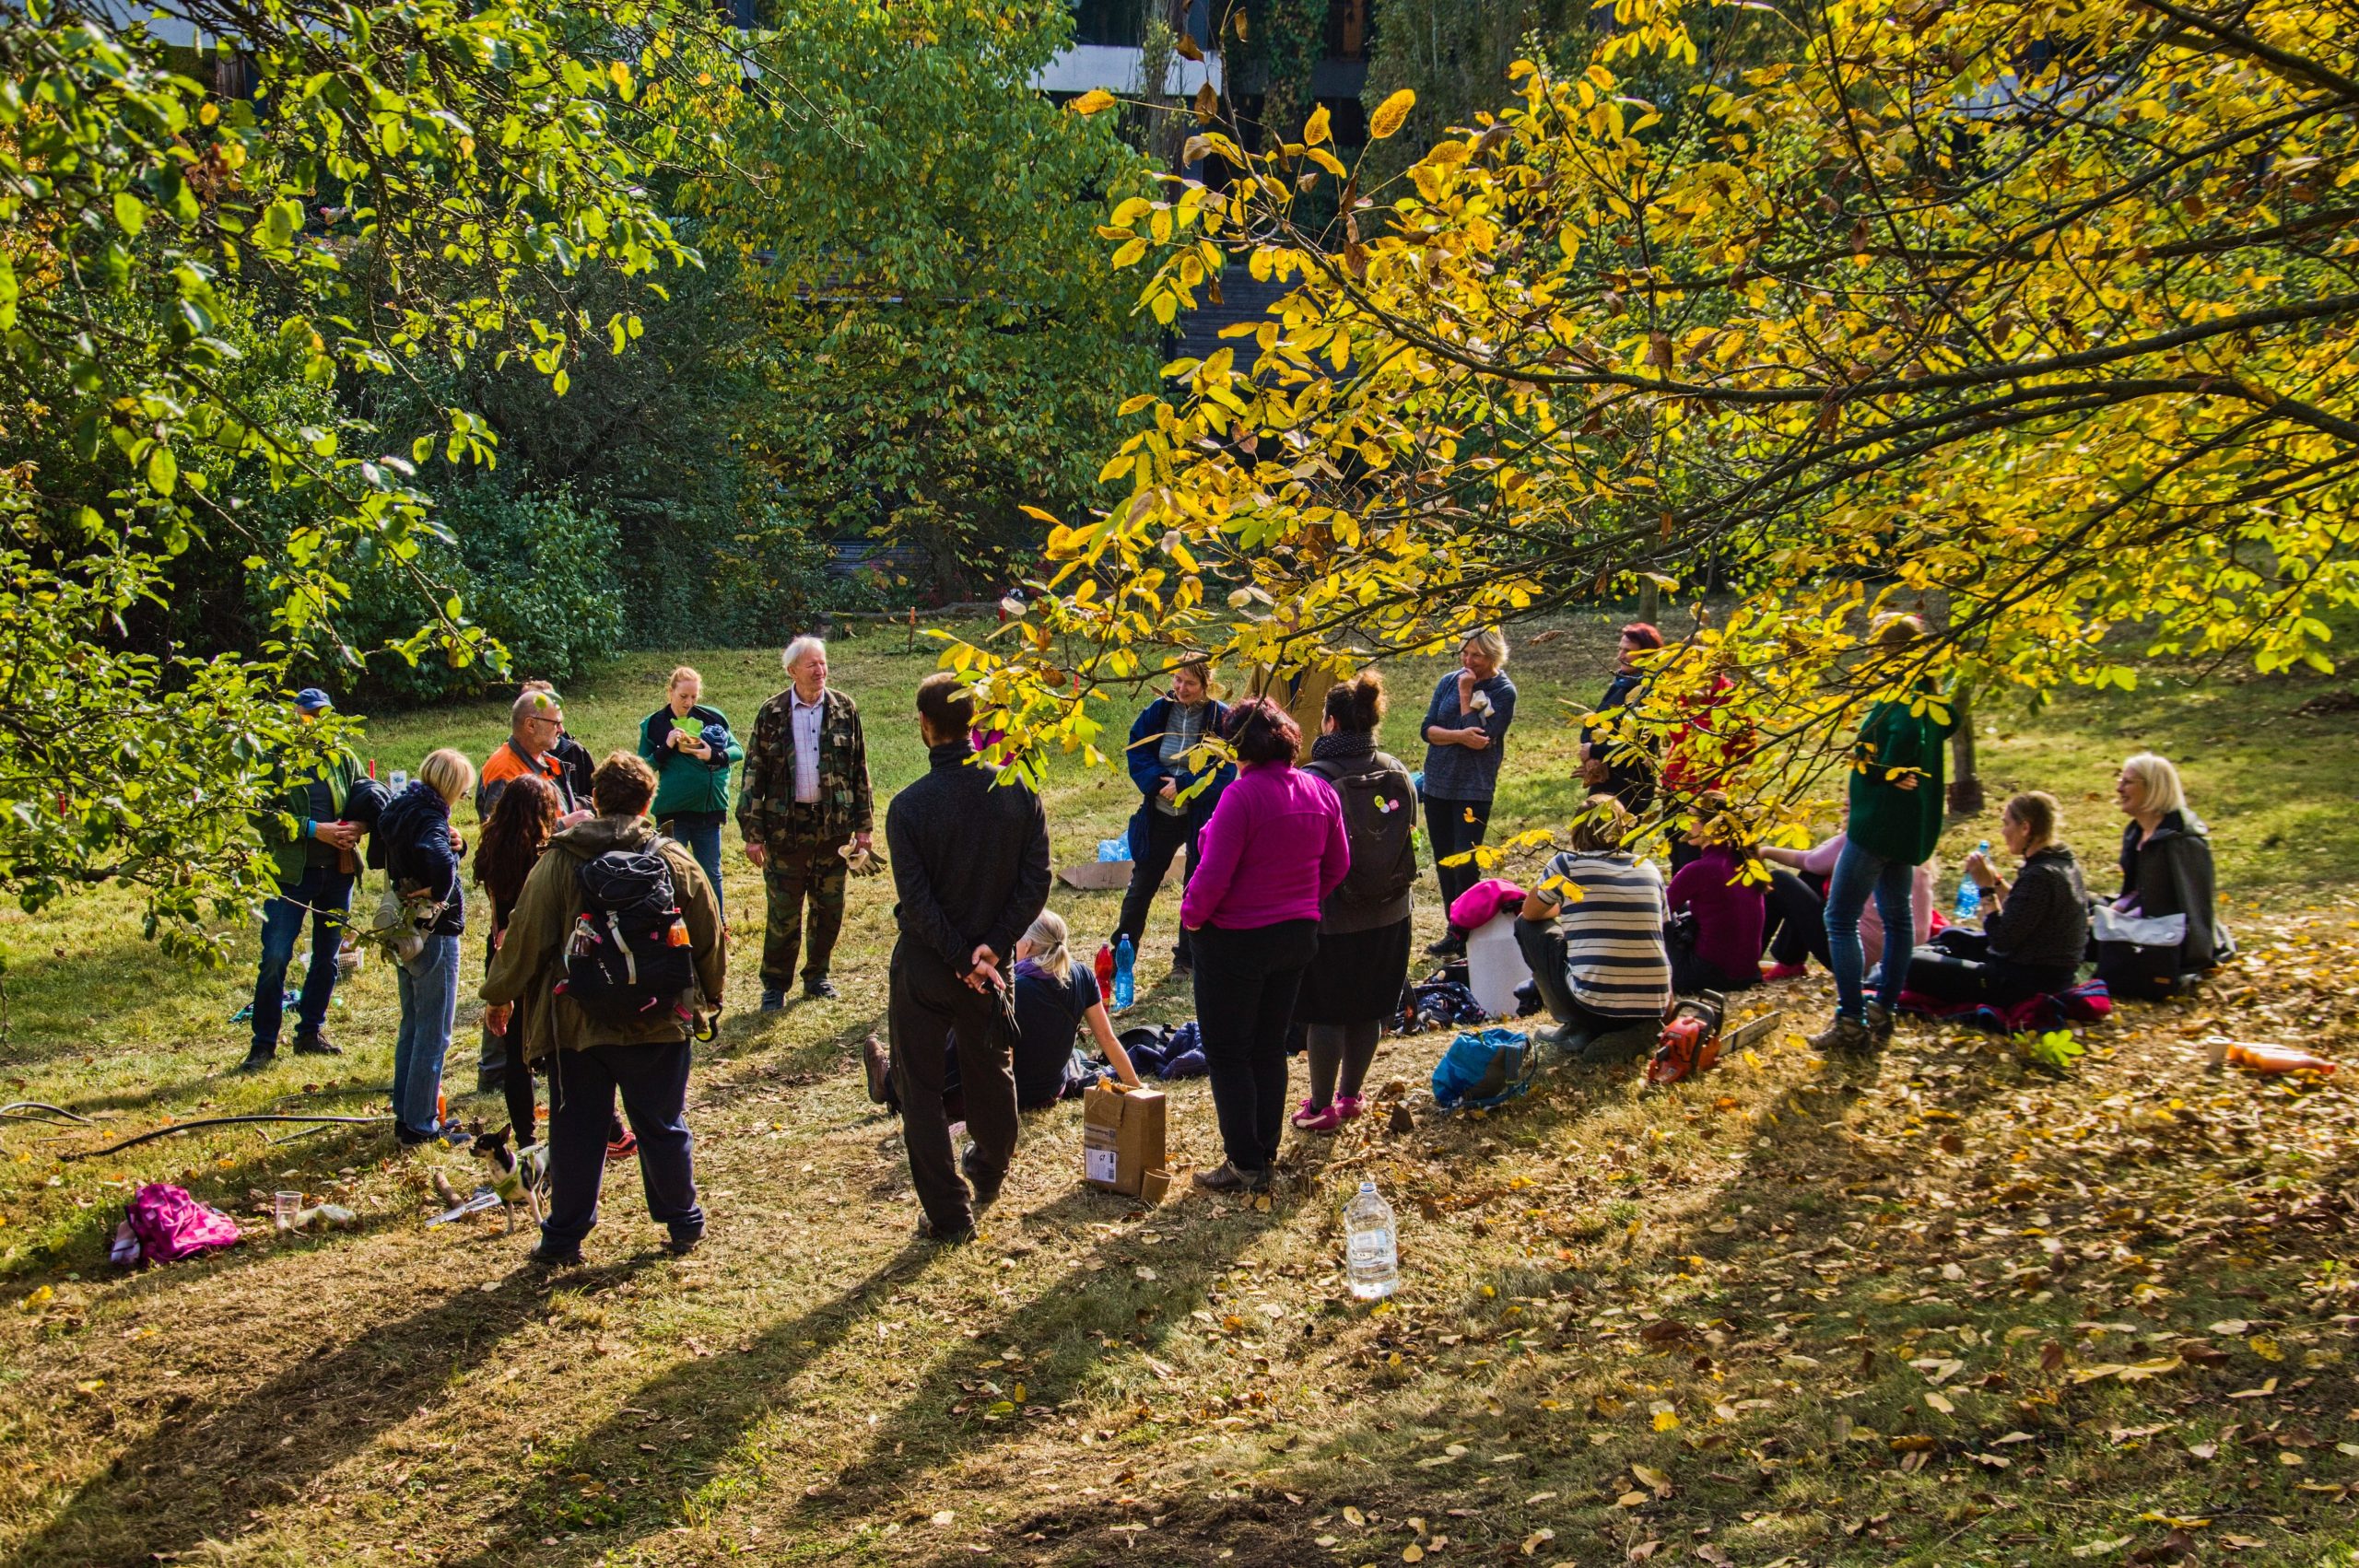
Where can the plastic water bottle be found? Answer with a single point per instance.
(1969, 892)
(1371, 1257)
(1125, 973)
(400, 781)
(1103, 967)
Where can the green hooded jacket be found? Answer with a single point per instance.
(1888, 820)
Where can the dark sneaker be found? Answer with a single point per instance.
(1845, 1036)
(257, 1058)
(879, 1066)
(1880, 1021)
(819, 988)
(549, 1255)
(1452, 946)
(679, 1244)
(315, 1045)
(1182, 967)
(955, 1236)
(1226, 1177)
(772, 998)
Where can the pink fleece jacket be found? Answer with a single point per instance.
(1273, 848)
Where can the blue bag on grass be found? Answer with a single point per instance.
(1484, 1068)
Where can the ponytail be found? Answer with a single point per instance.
(1048, 936)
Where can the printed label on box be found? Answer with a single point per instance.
(1098, 1164)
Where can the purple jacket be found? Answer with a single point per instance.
(1728, 914)
(1273, 848)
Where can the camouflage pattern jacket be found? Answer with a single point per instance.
(766, 790)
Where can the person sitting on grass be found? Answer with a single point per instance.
(2166, 860)
(2036, 930)
(1718, 947)
(1598, 958)
(596, 1047)
(1795, 929)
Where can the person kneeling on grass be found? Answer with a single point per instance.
(618, 1023)
(1598, 958)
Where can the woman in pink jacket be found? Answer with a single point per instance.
(1271, 851)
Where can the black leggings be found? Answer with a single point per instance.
(1339, 1051)
(1246, 981)
(1961, 970)
(1796, 926)
(1448, 825)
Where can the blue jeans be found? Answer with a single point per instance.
(1859, 873)
(324, 893)
(700, 831)
(653, 1079)
(430, 993)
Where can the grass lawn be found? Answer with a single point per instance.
(1945, 1308)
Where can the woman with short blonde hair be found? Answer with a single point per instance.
(1465, 734)
(689, 744)
(2166, 869)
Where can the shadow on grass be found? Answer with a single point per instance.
(208, 1474)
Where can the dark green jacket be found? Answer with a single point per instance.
(686, 783)
(1886, 820)
(285, 839)
(766, 795)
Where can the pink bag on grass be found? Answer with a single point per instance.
(164, 1224)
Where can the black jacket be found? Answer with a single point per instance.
(2046, 922)
(2171, 874)
(414, 829)
(579, 766)
(970, 859)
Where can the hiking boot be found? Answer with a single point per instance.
(986, 1186)
(1845, 1036)
(1449, 946)
(1564, 1042)
(1182, 967)
(958, 1236)
(549, 1255)
(878, 1064)
(1226, 1178)
(679, 1244)
(773, 999)
(1880, 1021)
(819, 988)
(257, 1058)
(315, 1043)
(1619, 1048)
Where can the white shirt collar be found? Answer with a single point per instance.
(794, 698)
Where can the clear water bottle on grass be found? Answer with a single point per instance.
(1969, 892)
(1126, 962)
(1372, 1253)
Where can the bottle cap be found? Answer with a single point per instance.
(1367, 1185)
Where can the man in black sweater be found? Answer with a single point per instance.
(970, 865)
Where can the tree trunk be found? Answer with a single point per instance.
(1649, 601)
(1966, 783)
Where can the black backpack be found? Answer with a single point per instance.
(1379, 819)
(629, 953)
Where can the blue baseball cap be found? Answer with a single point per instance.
(312, 699)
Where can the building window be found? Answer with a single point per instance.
(1347, 30)
(1117, 22)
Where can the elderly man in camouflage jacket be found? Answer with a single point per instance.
(804, 798)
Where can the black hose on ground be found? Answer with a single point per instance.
(219, 1121)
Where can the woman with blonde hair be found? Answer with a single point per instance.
(689, 743)
(2036, 930)
(1466, 734)
(2166, 860)
(1161, 737)
(1055, 998)
(422, 852)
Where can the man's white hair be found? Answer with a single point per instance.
(798, 647)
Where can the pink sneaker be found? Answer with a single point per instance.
(1784, 971)
(1349, 1106)
(1314, 1120)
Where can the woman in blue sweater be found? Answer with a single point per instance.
(422, 852)
(1466, 736)
(1160, 741)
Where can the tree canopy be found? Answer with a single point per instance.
(2041, 320)
(411, 184)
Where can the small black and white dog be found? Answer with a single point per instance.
(516, 1179)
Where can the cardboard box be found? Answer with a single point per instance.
(1122, 1137)
(1097, 876)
